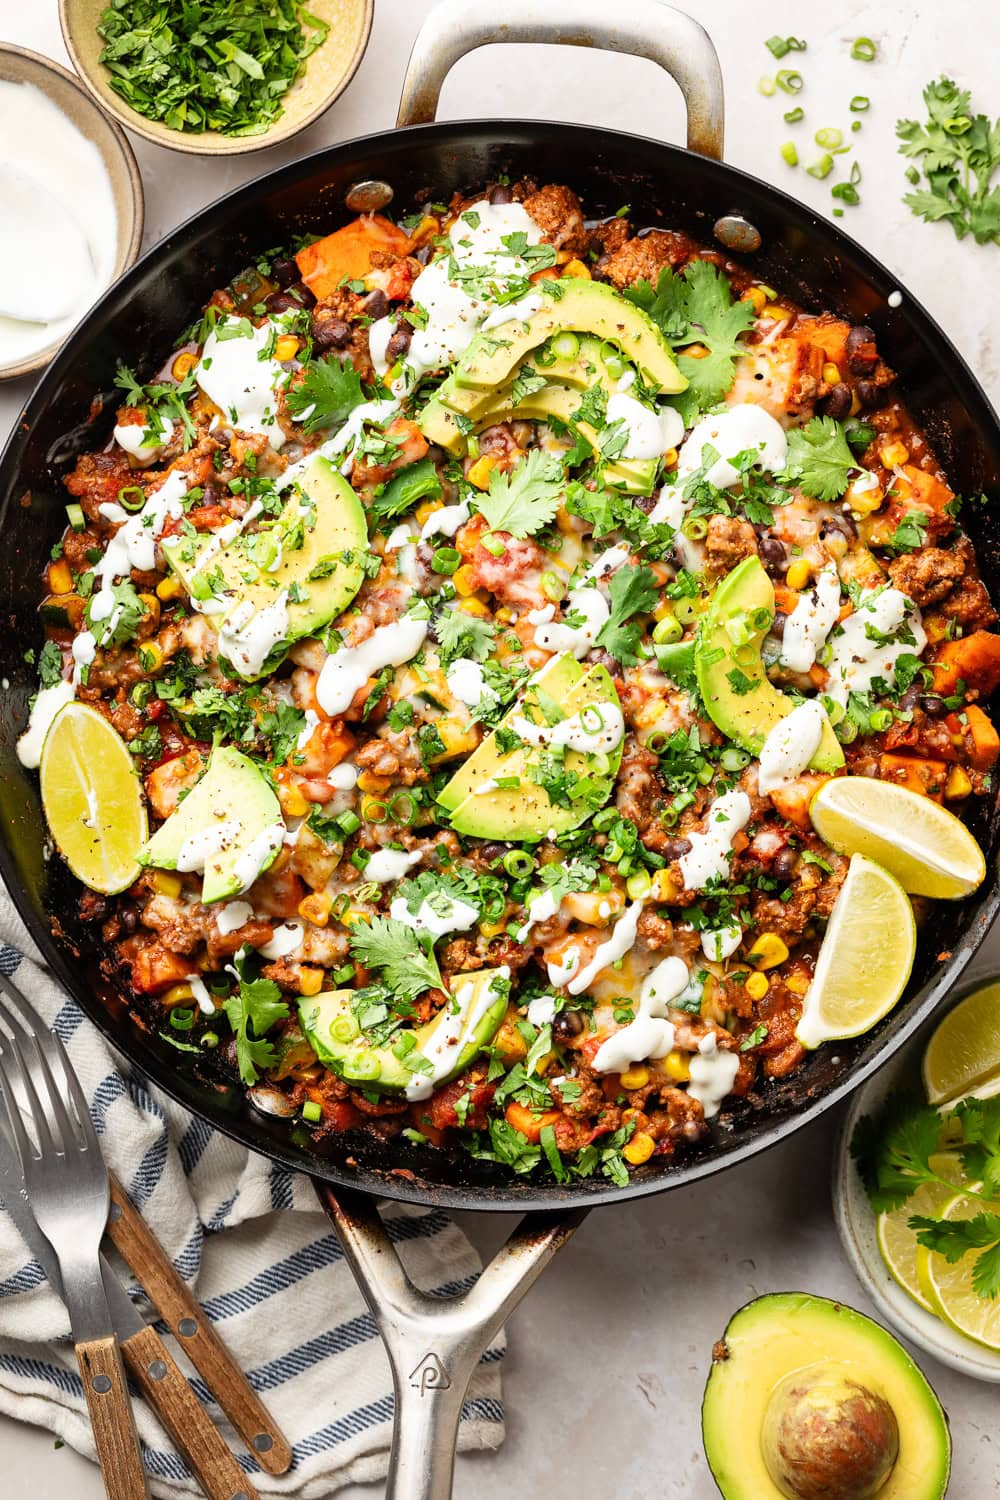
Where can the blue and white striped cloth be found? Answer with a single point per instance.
(247, 1235)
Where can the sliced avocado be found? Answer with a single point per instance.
(572, 305)
(738, 696)
(315, 548)
(235, 800)
(329, 1024)
(525, 812)
(787, 1366)
(439, 425)
(578, 368)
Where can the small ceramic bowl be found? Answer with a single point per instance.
(17, 65)
(856, 1223)
(325, 77)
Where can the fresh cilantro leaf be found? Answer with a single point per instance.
(120, 625)
(252, 1011)
(634, 591)
(893, 1149)
(282, 725)
(525, 500)
(820, 458)
(954, 1238)
(459, 634)
(407, 967)
(959, 153)
(911, 533)
(165, 401)
(417, 482)
(50, 664)
(740, 683)
(327, 394)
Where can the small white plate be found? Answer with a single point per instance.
(856, 1224)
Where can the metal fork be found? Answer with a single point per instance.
(66, 1183)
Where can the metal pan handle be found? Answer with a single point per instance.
(641, 28)
(434, 1344)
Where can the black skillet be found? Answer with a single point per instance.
(434, 1346)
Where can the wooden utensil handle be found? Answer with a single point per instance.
(111, 1418)
(164, 1386)
(134, 1240)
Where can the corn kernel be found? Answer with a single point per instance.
(798, 983)
(670, 458)
(60, 577)
(285, 348)
(758, 297)
(639, 1149)
(292, 801)
(151, 656)
(492, 929)
(316, 908)
(464, 579)
(480, 472)
(505, 616)
(166, 883)
(957, 785)
(151, 605)
(310, 980)
(831, 374)
(426, 509)
(635, 1078)
(893, 455)
(696, 351)
(665, 887)
(757, 986)
(799, 574)
(576, 267)
(779, 313)
(183, 364)
(353, 915)
(663, 610)
(178, 994)
(369, 782)
(768, 951)
(677, 1066)
(509, 1044)
(169, 588)
(474, 607)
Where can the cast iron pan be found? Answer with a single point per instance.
(140, 318)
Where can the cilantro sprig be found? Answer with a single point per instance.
(254, 1008)
(820, 460)
(328, 393)
(523, 501)
(958, 153)
(634, 591)
(408, 968)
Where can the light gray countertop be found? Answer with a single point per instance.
(608, 1356)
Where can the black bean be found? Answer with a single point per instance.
(492, 851)
(934, 707)
(302, 292)
(331, 333)
(778, 625)
(567, 1025)
(862, 354)
(400, 341)
(674, 848)
(279, 302)
(128, 915)
(772, 553)
(841, 521)
(871, 395)
(501, 193)
(376, 304)
(784, 864)
(910, 700)
(837, 402)
(284, 270)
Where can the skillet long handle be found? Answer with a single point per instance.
(641, 28)
(434, 1344)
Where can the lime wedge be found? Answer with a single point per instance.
(92, 799)
(898, 1242)
(930, 852)
(950, 1287)
(963, 1055)
(866, 957)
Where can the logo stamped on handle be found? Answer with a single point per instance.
(430, 1375)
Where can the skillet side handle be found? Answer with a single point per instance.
(435, 1343)
(640, 28)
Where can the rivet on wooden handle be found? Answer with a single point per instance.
(111, 1418)
(164, 1386)
(134, 1240)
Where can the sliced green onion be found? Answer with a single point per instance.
(793, 116)
(780, 46)
(761, 618)
(403, 807)
(790, 81)
(182, 1018)
(209, 1039)
(847, 192)
(446, 560)
(312, 1112)
(552, 586)
(733, 758)
(738, 629)
(855, 125)
(822, 167)
(829, 138)
(695, 527)
(348, 823)
(705, 775)
(864, 49)
(375, 812)
(667, 630)
(518, 862)
(612, 359)
(565, 345)
(493, 544)
(860, 103)
(789, 154)
(838, 213)
(472, 445)
(846, 731)
(881, 719)
(76, 517)
(638, 885)
(132, 497)
(834, 711)
(767, 87)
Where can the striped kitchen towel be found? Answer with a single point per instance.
(247, 1235)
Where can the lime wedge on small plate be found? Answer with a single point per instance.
(952, 1294)
(92, 799)
(963, 1055)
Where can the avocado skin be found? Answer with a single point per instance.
(318, 1013)
(747, 718)
(774, 1335)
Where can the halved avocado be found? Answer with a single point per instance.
(738, 696)
(790, 1359)
(236, 799)
(525, 812)
(577, 306)
(329, 1024)
(315, 548)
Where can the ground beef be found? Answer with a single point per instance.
(788, 919)
(728, 542)
(557, 212)
(928, 576)
(655, 931)
(96, 481)
(644, 257)
(394, 755)
(610, 236)
(638, 788)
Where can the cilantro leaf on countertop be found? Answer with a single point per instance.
(697, 307)
(634, 591)
(252, 1011)
(408, 969)
(527, 498)
(959, 153)
(326, 396)
(819, 460)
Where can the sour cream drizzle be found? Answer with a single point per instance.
(790, 746)
(857, 659)
(709, 851)
(649, 1034)
(713, 1074)
(349, 668)
(234, 373)
(596, 727)
(454, 1030)
(622, 939)
(448, 914)
(811, 621)
(391, 864)
(44, 709)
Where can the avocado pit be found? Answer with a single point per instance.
(825, 1436)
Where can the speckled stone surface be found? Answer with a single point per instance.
(609, 1353)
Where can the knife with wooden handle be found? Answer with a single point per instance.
(136, 1243)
